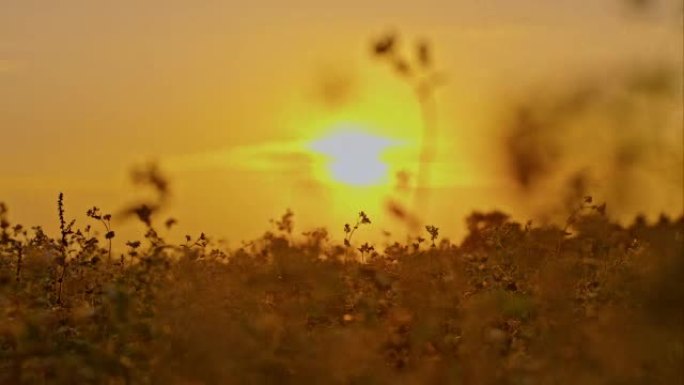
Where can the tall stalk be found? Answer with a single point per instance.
(420, 74)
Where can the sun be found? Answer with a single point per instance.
(354, 157)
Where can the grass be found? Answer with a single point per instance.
(592, 302)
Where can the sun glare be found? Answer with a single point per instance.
(354, 157)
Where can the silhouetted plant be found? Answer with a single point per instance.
(105, 220)
(65, 230)
(350, 230)
(503, 304)
(434, 233)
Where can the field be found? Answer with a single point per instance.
(591, 303)
(519, 164)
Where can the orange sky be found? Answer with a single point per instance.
(222, 95)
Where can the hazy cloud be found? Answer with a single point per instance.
(262, 157)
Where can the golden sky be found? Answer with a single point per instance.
(236, 100)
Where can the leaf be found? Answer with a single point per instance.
(601, 209)
(423, 54)
(402, 67)
(385, 45)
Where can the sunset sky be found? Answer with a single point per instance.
(251, 108)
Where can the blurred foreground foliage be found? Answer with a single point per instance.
(591, 303)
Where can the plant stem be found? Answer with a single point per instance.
(19, 260)
(428, 110)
